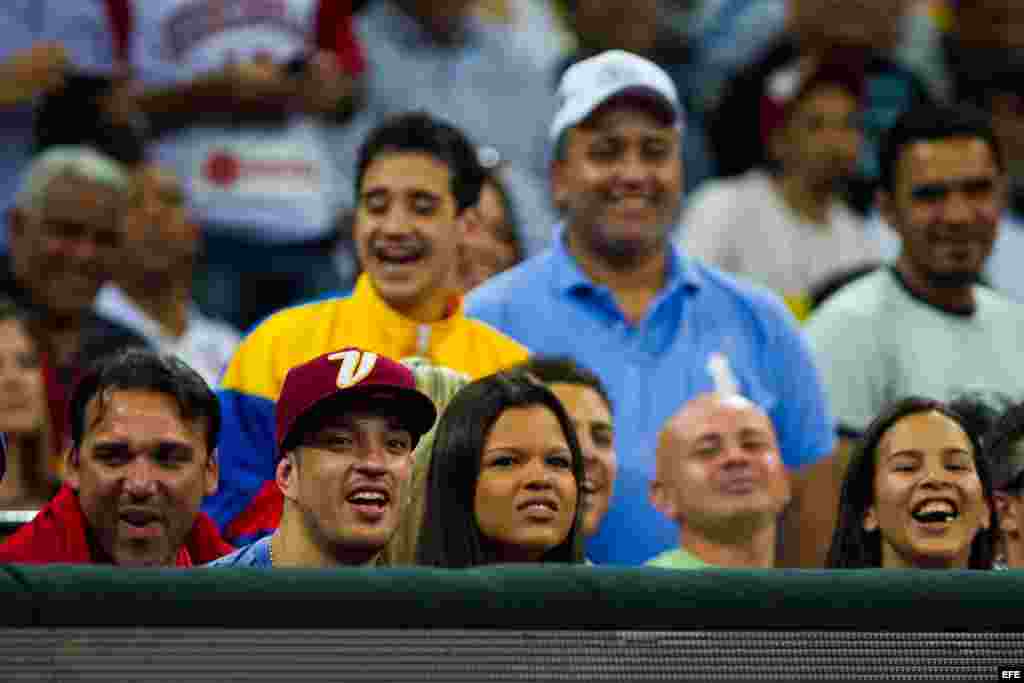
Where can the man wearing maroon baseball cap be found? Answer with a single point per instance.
(347, 425)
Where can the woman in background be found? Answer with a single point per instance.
(505, 479)
(441, 384)
(918, 494)
(31, 478)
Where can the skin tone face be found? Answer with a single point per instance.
(140, 475)
(719, 469)
(618, 24)
(63, 250)
(593, 423)
(929, 503)
(948, 198)
(1007, 111)
(620, 183)
(872, 24)
(525, 499)
(349, 479)
(22, 394)
(1011, 516)
(157, 228)
(821, 138)
(483, 254)
(407, 232)
(990, 23)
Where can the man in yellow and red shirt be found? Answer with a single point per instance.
(418, 181)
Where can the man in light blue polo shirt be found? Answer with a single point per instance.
(616, 296)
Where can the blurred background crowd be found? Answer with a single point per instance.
(241, 121)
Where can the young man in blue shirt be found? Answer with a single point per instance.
(347, 425)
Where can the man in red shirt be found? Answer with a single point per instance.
(143, 428)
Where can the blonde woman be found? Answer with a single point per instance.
(441, 384)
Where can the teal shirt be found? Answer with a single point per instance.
(677, 558)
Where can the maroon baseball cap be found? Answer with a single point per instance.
(351, 375)
(790, 82)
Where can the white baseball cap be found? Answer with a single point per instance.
(588, 84)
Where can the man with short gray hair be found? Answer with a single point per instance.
(62, 234)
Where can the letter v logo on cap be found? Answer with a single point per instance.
(355, 366)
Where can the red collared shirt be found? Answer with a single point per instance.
(58, 535)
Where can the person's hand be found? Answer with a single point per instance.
(39, 70)
(325, 90)
(260, 86)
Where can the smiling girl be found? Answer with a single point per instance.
(917, 494)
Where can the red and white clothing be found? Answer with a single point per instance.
(59, 535)
(267, 183)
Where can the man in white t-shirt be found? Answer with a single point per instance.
(787, 227)
(153, 291)
(924, 326)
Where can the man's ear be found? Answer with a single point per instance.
(211, 473)
(72, 467)
(661, 499)
(886, 204)
(1008, 522)
(286, 476)
(776, 141)
(870, 522)
(468, 222)
(17, 222)
(559, 186)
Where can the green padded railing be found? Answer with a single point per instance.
(535, 597)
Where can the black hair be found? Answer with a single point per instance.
(564, 370)
(138, 368)
(75, 115)
(824, 288)
(853, 546)
(930, 122)
(980, 411)
(1000, 442)
(449, 534)
(420, 132)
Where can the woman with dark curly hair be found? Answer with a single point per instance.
(505, 479)
(918, 494)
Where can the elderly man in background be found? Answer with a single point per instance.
(63, 234)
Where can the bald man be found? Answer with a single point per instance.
(720, 477)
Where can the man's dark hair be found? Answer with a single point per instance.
(1000, 446)
(145, 370)
(89, 124)
(929, 123)
(980, 411)
(853, 547)
(420, 132)
(564, 370)
(449, 535)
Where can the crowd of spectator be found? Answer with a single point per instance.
(680, 282)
